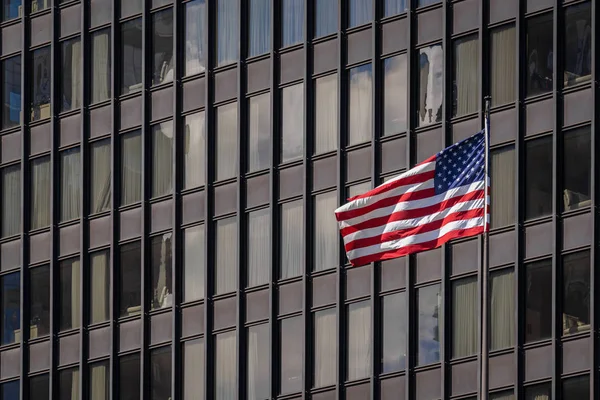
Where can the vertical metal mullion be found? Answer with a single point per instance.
(594, 278)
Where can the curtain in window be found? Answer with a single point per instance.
(194, 36)
(260, 27)
(361, 12)
(502, 310)
(359, 340)
(162, 159)
(325, 17)
(194, 263)
(259, 249)
(40, 193)
(465, 78)
(227, 35)
(576, 293)
(226, 367)
(293, 22)
(226, 271)
(193, 369)
(326, 232)
(393, 7)
(291, 357)
(259, 136)
(76, 74)
(99, 389)
(70, 201)
(464, 335)
(326, 114)
(394, 332)
(395, 94)
(292, 124)
(502, 187)
(504, 65)
(292, 240)
(227, 139)
(11, 201)
(361, 104)
(101, 174)
(131, 184)
(258, 362)
(100, 66)
(325, 348)
(99, 287)
(194, 149)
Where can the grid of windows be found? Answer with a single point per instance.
(169, 171)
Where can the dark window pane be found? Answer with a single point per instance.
(10, 300)
(99, 381)
(129, 377)
(99, 287)
(292, 124)
(464, 317)
(429, 302)
(258, 362)
(162, 159)
(259, 132)
(70, 294)
(70, 75)
(540, 62)
(422, 3)
(227, 33)
(226, 257)
(359, 340)
(506, 395)
(131, 175)
(465, 80)
(325, 348)
(292, 240)
(576, 293)
(361, 104)
(503, 64)
(259, 247)
(502, 172)
(11, 200)
(68, 384)
(395, 95)
(193, 149)
(393, 7)
(12, 9)
(292, 22)
(502, 309)
(578, 44)
(100, 176)
(41, 76)
(193, 369)
(40, 193)
(40, 301)
(325, 20)
(227, 139)
(430, 87)
(326, 114)
(162, 272)
(130, 280)
(576, 388)
(226, 377)
(10, 391)
(162, 47)
(326, 235)
(260, 27)
(160, 380)
(538, 300)
(538, 179)
(11, 110)
(394, 321)
(39, 385)
(70, 184)
(291, 330)
(195, 16)
(131, 56)
(577, 169)
(193, 263)
(542, 391)
(361, 12)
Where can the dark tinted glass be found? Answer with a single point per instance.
(259, 132)
(39, 301)
(10, 202)
(11, 390)
(361, 12)
(162, 47)
(10, 300)
(130, 280)
(258, 362)
(430, 86)
(69, 384)
(195, 15)
(326, 12)
(70, 294)
(39, 387)
(160, 379)
(502, 173)
(395, 95)
(538, 179)
(292, 25)
(99, 287)
(259, 27)
(100, 176)
(227, 31)
(465, 83)
(12, 9)
(576, 388)
(291, 330)
(576, 293)
(503, 64)
(429, 302)
(71, 74)
(99, 381)
(193, 261)
(577, 169)
(538, 301)
(395, 340)
(540, 63)
(11, 92)
(161, 260)
(542, 391)
(129, 377)
(131, 56)
(578, 44)
(41, 76)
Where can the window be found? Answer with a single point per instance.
(292, 339)
(326, 236)
(11, 390)
(576, 388)
(395, 95)
(71, 75)
(162, 47)
(193, 369)
(10, 300)
(129, 377)
(577, 57)
(70, 184)
(226, 257)
(502, 172)
(100, 83)
(259, 132)
(68, 385)
(11, 200)
(193, 263)
(41, 76)
(540, 63)
(394, 330)
(464, 317)
(40, 193)
(99, 381)
(393, 7)
(195, 17)
(422, 3)
(260, 27)
(538, 180)
(326, 114)
(538, 392)
(161, 260)
(538, 301)
(361, 12)
(226, 378)
(465, 76)
(429, 303)
(130, 295)
(259, 348)
(194, 147)
(39, 385)
(431, 84)
(160, 379)
(506, 395)
(70, 294)
(358, 189)
(292, 240)
(131, 56)
(259, 247)
(162, 159)
(11, 93)
(577, 169)
(292, 124)
(131, 168)
(325, 19)
(227, 31)
(361, 104)
(100, 176)
(503, 64)
(12, 9)
(39, 304)
(325, 348)
(502, 309)
(576, 293)
(227, 141)
(130, 7)
(359, 340)
(292, 22)
(99, 287)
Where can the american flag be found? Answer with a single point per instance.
(440, 199)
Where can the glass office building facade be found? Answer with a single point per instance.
(169, 171)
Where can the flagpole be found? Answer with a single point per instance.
(485, 263)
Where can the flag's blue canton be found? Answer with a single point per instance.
(460, 164)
